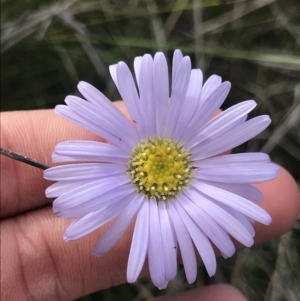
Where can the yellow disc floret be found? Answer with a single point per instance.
(160, 168)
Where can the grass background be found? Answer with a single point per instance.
(48, 46)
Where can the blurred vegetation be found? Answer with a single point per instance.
(48, 46)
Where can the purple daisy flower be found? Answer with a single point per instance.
(163, 172)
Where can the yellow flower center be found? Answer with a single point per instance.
(160, 168)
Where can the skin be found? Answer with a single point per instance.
(36, 264)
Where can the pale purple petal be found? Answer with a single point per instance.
(168, 240)
(139, 244)
(89, 191)
(137, 65)
(113, 74)
(195, 86)
(117, 229)
(95, 220)
(245, 190)
(241, 218)
(155, 248)
(98, 99)
(109, 198)
(222, 217)
(128, 91)
(213, 231)
(107, 109)
(105, 120)
(83, 150)
(222, 123)
(185, 244)
(232, 138)
(234, 159)
(61, 187)
(147, 108)
(178, 93)
(234, 201)
(80, 206)
(239, 173)
(212, 83)
(205, 112)
(177, 58)
(200, 240)
(160, 90)
(192, 101)
(83, 171)
(68, 114)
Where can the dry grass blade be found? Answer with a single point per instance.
(14, 31)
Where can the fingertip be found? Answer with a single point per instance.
(217, 292)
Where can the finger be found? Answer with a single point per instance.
(36, 260)
(33, 134)
(217, 292)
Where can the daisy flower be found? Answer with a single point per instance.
(165, 170)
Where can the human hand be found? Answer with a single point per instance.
(37, 264)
